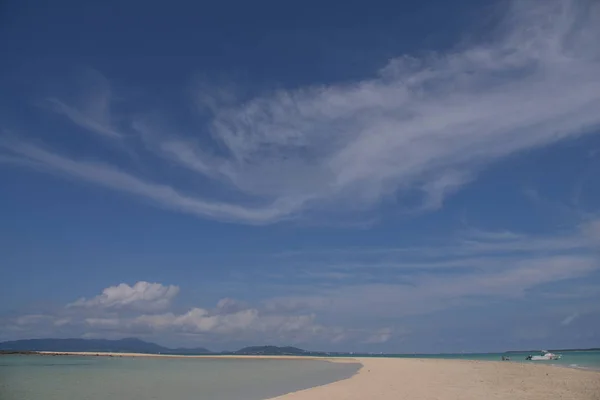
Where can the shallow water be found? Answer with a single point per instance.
(34, 377)
(573, 359)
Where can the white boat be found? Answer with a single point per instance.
(545, 356)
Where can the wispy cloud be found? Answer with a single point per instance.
(92, 111)
(421, 125)
(97, 124)
(468, 247)
(399, 296)
(569, 319)
(471, 267)
(163, 195)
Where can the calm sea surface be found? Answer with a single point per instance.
(573, 359)
(139, 378)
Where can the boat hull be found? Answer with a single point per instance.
(544, 358)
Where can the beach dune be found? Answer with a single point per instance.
(428, 379)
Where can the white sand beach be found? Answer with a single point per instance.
(420, 379)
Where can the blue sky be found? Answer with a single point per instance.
(403, 176)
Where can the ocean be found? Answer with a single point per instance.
(572, 359)
(33, 377)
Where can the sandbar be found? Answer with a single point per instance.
(420, 379)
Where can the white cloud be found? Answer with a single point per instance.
(467, 248)
(253, 325)
(228, 306)
(569, 319)
(230, 321)
(247, 321)
(163, 195)
(248, 324)
(477, 267)
(402, 291)
(424, 125)
(81, 118)
(448, 273)
(92, 110)
(141, 296)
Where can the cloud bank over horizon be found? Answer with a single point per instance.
(357, 298)
(140, 309)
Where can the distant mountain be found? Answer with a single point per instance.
(128, 345)
(134, 345)
(272, 351)
(188, 351)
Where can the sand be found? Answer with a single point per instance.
(436, 379)
(419, 379)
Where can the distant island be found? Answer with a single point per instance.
(134, 345)
(127, 345)
(276, 351)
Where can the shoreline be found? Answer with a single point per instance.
(380, 378)
(281, 357)
(442, 379)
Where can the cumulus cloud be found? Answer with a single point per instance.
(141, 296)
(228, 305)
(245, 322)
(221, 324)
(421, 126)
(124, 310)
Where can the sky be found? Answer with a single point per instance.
(406, 176)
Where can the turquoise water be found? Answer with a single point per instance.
(34, 377)
(573, 359)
